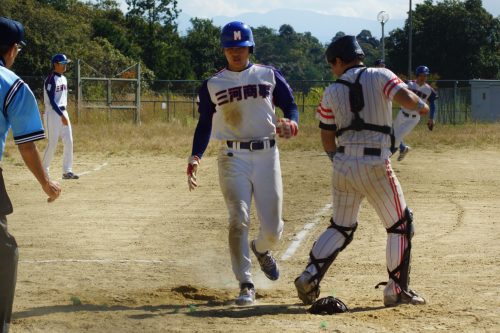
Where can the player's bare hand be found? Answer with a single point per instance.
(286, 128)
(52, 189)
(192, 168)
(430, 124)
(65, 120)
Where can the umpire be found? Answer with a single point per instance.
(19, 111)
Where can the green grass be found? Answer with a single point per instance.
(116, 134)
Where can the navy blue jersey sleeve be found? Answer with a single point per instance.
(50, 87)
(206, 109)
(283, 97)
(432, 104)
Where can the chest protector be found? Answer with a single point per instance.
(357, 104)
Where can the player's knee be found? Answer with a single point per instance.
(239, 216)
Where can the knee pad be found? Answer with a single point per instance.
(403, 227)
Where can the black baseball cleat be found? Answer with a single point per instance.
(267, 263)
(404, 297)
(70, 175)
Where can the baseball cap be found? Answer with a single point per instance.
(379, 62)
(60, 59)
(11, 32)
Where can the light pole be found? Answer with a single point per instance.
(409, 42)
(383, 17)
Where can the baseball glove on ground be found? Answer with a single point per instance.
(328, 305)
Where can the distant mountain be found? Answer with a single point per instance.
(321, 26)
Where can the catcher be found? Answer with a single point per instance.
(356, 110)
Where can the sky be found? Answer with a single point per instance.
(353, 8)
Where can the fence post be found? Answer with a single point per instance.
(455, 100)
(138, 95)
(78, 91)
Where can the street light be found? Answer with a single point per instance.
(409, 41)
(383, 17)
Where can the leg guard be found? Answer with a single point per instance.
(401, 274)
(312, 290)
(8, 273)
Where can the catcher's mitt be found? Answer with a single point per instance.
(328, 305)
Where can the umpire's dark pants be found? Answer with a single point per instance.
(8, 261)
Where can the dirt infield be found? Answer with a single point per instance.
(128, 248)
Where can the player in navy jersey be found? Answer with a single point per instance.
(57, 123)
(406, 120)
(19, 111)
(237, 108)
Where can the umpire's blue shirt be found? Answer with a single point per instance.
(19, 110)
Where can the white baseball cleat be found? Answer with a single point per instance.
(404, 297)
(247, 295)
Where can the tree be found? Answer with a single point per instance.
(153, 26)
(203, 44)
(458, 40)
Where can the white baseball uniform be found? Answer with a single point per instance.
(406, 120)
(238, 109)
(55, 95)
(361, 167)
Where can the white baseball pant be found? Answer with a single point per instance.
(404, 123)
(54, 129)
(243, 173)
(355, 177)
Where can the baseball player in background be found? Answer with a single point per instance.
(57, 124)
(407, 119)
(237, 107)
(356, 111)
(379, 63)
(19, 111)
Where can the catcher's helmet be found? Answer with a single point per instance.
(422, 70)
(237, 34)
(346, 48)
(60, 59)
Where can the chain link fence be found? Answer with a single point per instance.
(176, 100)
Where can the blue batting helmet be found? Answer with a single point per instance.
(60, 59)
(346, 48)
(236, 34)
(422, 70)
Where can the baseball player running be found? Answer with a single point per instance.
(357, 110)
(19, 111)
(407, 119)
(237, 107)
(57, 124)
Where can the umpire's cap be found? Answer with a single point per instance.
(346, 48)
(236, 34)
(11, 32)
(60, 59)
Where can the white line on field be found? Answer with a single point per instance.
(98, 261)
(305, 230)
(97, 168)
